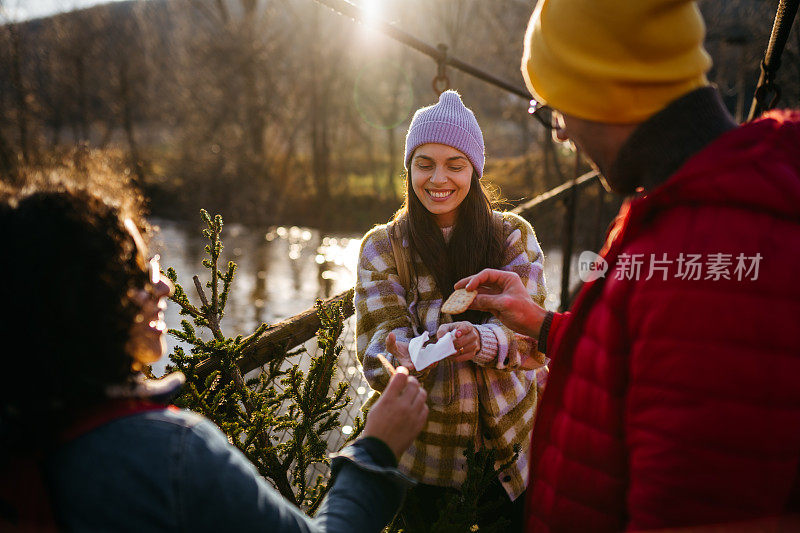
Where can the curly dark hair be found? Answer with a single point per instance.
(68, 266)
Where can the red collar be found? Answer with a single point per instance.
(109, 411)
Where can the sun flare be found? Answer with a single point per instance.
(373, 11)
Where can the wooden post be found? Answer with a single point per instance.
(600, 229)
(570, 203)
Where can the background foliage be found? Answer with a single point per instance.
(276, 111)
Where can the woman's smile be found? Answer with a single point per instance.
(440, 195)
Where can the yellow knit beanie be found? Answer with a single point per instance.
(615, 61)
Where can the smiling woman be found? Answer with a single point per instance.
(485, 393)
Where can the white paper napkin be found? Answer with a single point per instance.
(423, 357)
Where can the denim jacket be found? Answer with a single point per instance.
(174, 470)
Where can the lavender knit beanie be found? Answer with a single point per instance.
(448, 122)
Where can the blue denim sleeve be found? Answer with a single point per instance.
(219, 490)
(364, 495)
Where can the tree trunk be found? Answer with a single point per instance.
(255, 122)
(7, 164)
(127, 123)
(372, 167)
(319, 127)
(391, 144)
(525, 135)
(321, 149)
(546, 146)
(19, 85)
(82, 120)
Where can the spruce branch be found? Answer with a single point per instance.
(281, 418)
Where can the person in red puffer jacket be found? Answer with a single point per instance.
(674, 390)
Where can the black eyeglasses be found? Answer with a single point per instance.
(543, 114)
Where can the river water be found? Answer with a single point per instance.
(281, 272)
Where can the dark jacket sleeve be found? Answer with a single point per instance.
(220, 490)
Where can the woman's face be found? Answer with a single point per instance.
(440, 177)
(146, 343)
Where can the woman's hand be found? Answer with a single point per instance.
(502, 293)
(399, 350)
(467, 341)
(399, 414)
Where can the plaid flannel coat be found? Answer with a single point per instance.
(488, 401)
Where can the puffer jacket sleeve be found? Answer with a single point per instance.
(380, 305)
(501, 348)
(712, 417)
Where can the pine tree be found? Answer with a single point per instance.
(279, 418)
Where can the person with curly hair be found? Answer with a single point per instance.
(88, 444)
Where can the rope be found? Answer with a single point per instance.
(787, 9)
(439, 55)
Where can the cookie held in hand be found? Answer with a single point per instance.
(459, 301)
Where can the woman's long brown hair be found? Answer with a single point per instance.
(475, 243)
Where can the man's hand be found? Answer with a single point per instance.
(467, 341)
(502, 293)
(400, 413)
(399, 350)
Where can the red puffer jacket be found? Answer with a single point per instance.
(677, 402)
